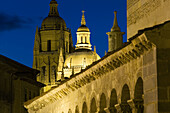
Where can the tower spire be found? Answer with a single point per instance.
(115, 36)
(83, 21)
(115, 24)
(53, 8)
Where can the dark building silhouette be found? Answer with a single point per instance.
(17, 85)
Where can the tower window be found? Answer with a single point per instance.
(81, 39)
(54, 72)
(43, 70)
(49, 45)
(66, 46)
(85, 39)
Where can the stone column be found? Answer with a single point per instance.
(132, 105)
(118, 108)
(106, 110)
(136, 105)
(98, 110)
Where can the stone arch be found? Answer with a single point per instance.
(93, 107)
(138, 99)
(102, 103)
(124, 98)
(113, 101)
(84, 108)
(77, 109)
(95, 96)
(69, 111)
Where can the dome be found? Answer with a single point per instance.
(83, 28)
(53, 22)
(81, 58)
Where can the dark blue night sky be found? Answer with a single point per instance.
(19, 18)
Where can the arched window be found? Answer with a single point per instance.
(138, 95)
(77, 109)
(124, 98)
(102, 103)
(49, 45)
(93, 108)
(84, 109)
(69, 111)
(113, 101)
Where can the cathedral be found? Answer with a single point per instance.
(54, 54)
(132, 77)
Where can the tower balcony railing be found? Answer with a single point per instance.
(55, 27)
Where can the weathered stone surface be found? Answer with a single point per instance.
(150, 97)
(150, 108)
(150, 83)
(143, 14)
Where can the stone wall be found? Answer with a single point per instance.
(124, 81)
(114, 81)
(146, 13)
(163, 80)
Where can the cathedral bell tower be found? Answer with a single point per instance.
(115, 36)
(83, 35)
(52, 38)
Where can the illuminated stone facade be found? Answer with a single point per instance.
(54, 55)
(53, 42)
(133, 78)
(83, 56)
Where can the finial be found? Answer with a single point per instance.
(115, 24)
(94, 49)
(83, 21)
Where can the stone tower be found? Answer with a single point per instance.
(83, 35)
(115, 36)
(52, 41)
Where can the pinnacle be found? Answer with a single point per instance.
(83, 21)
(115, 24)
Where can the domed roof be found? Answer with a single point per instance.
(53, 21)
(83, 28)
(81, 57)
